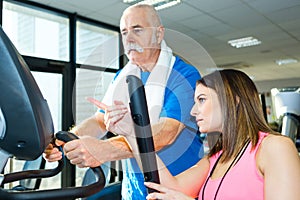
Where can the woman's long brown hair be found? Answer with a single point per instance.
(241, 108)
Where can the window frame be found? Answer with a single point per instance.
(66, 68)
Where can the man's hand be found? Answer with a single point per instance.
(52, 153)
(117, 118)
(84, 152)
(90, 151)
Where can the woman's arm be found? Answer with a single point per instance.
(279, 162)
(188, 182)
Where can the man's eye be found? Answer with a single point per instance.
(138, 30)
(124, 33)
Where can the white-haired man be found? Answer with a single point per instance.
(169, 84)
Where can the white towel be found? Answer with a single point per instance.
(154, 87)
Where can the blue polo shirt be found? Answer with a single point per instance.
(187, 149)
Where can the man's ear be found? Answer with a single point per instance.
(160, 34)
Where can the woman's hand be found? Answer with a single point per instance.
(165, 193)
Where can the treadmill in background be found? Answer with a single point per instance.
(286, 103)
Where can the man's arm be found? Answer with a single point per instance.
(90, 152)
(117, 119)
(164, 133)
(92, 126)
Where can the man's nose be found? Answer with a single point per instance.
(129, 37)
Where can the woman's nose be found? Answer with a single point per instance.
(194, 110)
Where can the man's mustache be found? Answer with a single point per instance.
(133, 47)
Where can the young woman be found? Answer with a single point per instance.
(248, 161)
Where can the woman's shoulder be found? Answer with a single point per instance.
(276, 150)
(277, 143)
(280, 167)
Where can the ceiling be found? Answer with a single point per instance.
(198, 30)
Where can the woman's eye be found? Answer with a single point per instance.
(201, 100)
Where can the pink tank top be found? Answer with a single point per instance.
(242, 182)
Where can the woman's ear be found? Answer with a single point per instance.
(237, 99)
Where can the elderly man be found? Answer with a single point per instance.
(169, 85)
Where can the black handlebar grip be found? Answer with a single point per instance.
(142, 127)
(65, 136)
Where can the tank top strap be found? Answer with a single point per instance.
(262, 135)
